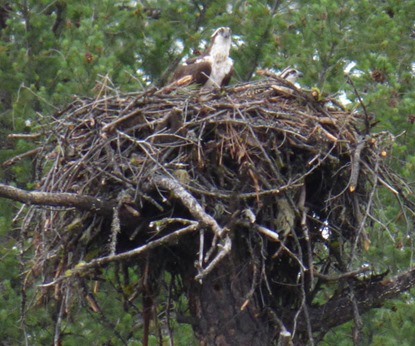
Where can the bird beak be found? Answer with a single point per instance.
(226, 32)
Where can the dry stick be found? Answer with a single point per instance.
(255, 277)
(354, 174)
(285, 337)
(382, 181)
(99, 262)
(19, 157)
(356, 316)
(303, 209)
(172, 185)
(247, 195)
(168, 309)
(201, 247)
(303, 306)
(274, 236)
(368, 207)
(264, 152)
(115, 123)
(115, 229)
(24, 135)
(55, 199)
(57, 337)
(225, 249)
(367, 123)
(350, 274)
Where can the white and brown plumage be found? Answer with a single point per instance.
(213, 68)
(290, 74)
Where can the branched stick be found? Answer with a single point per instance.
(99, 262)
(225, 249)
(189, 202)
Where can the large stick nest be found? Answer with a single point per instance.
(182, 169)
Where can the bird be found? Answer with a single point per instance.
(214, 67)
(290, 74)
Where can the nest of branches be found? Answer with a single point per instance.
(183, 174)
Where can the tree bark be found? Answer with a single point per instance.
(54, 199)
(224, 312)
(368, 295)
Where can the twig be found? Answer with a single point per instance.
(224, 250)
(355, 168)
(350, 274)
(24, 135)
(99, 262)
(201, 247)
(304, 210)
(115, 230)
(111, 126)
(275, 237)
(19, 157)
(285, 337)
(357, 328)
(57, 340)
(367, 122)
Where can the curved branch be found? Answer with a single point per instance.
(368, 294)
(56, 199)
(189, 202)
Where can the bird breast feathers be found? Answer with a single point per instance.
(220, 69)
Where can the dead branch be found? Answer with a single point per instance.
(24, 135)
(350, 274)
(224, 249)
(20, 157)
(52, 199)
(354, 175)
(189, 201)
(84, 267)
(111, 126)
(339, 309)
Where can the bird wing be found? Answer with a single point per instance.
(199, 69)
(227, 78)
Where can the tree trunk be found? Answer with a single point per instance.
(224, 313)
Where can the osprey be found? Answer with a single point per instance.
(290, 74)
(213, 68)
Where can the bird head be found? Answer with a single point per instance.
(220, 42)
(221, 33)
(291, 74)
